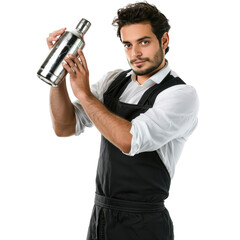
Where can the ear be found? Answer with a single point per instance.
(165, 40)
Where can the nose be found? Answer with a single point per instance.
(136, 52)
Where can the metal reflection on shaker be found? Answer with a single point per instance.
(52, 71)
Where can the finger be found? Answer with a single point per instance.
(68, 68)
(50, 41)
(50, 44)
(71, 62)
(76, 61)
(82, 58)
(54, 36)
(57, 32)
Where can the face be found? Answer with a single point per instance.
(144, 53)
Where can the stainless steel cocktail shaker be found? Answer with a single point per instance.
(52, 71)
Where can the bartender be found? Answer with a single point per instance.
(145, 116)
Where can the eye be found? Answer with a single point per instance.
(145, 43)
(127, 45)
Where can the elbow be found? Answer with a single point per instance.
(125, 146)
(125, 142)
(65, 131)
(62, 134)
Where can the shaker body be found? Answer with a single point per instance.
(52, 71)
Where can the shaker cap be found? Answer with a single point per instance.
(83, 26)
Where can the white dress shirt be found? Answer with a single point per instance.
(165, 127)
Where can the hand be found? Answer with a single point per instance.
(79, 74)
(51, 40)
(54, 36)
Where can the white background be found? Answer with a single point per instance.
(47, 183)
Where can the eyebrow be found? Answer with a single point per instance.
(138, 40)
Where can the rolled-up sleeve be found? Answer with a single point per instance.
(174, 115)
(82, 119)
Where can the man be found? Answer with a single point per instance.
(144, 115)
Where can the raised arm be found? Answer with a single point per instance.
(111, 126)
(61, 107)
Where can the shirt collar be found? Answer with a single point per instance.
(158, 76)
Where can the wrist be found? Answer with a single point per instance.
(85, 98)
(61, 86)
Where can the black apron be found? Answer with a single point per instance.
(130, 190)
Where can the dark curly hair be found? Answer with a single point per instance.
(142, 12)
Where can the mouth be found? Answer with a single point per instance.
(138, 63)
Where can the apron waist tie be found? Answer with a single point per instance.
(128, 206)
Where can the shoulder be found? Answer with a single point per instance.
(182, 98)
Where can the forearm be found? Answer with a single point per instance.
(62, 111)
(111, 126)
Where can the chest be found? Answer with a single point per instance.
(134, 91)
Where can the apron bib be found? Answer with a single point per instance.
(130, 190)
